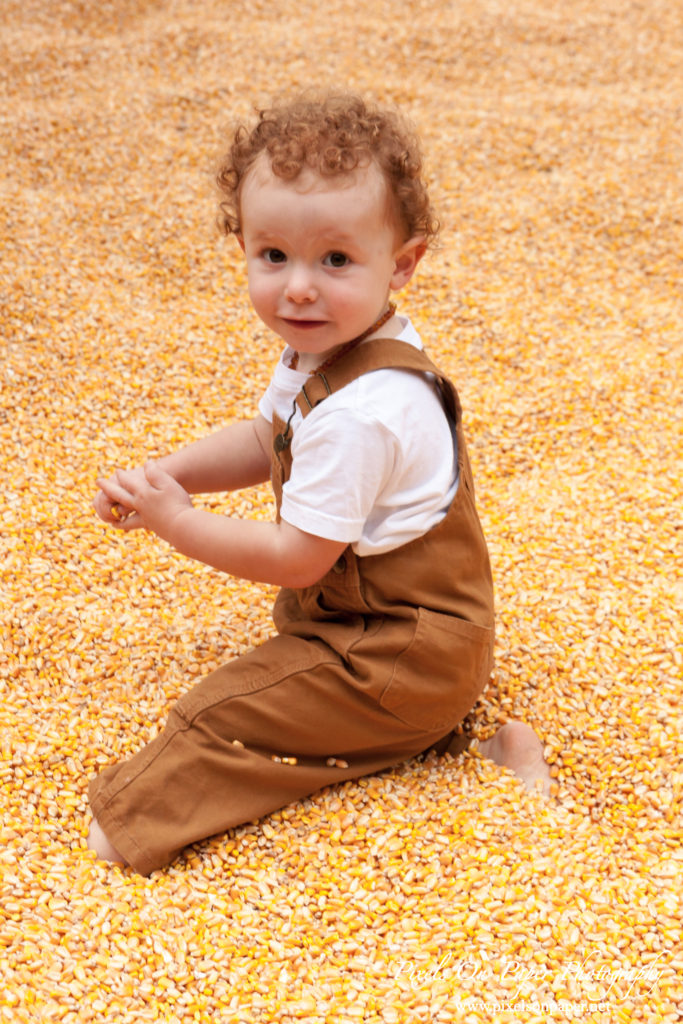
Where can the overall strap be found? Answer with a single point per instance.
(377, 354)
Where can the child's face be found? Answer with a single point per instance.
(322, 255)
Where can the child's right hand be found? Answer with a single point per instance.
(113, 513)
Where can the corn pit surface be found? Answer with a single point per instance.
(440, 890)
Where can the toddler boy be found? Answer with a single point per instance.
(385, 616)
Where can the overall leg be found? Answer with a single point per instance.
(260, 732)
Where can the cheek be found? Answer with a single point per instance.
(360, 297)
(261, 290)
(347, 294)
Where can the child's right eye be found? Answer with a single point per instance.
(274, 256)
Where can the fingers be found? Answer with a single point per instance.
(114, 502)
(156, 476)
(113, 513)
(131, 521)
(103, 505)
(130, 481)
(142, 497)
(114, 488)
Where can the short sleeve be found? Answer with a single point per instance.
(342, 462)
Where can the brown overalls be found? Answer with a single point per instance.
(377, 662)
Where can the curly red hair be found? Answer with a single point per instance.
(332, 136)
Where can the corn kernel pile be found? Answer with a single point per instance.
(440, 890)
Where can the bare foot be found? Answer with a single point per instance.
(98, 842)
(516, 746)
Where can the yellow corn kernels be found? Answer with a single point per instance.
(440, 890)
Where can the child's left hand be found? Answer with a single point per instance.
(154, 496)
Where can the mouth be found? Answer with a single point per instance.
(304, 325)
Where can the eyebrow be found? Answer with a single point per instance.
(258, 235)
(333, 242)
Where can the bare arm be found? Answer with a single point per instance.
(235, 457)
(277, 553)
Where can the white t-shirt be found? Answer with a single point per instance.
(375, 464)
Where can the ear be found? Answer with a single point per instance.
(406, 260)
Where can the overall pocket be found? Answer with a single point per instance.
(440, 674)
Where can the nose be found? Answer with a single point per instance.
(300, 286)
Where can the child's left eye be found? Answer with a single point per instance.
(336, 259)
